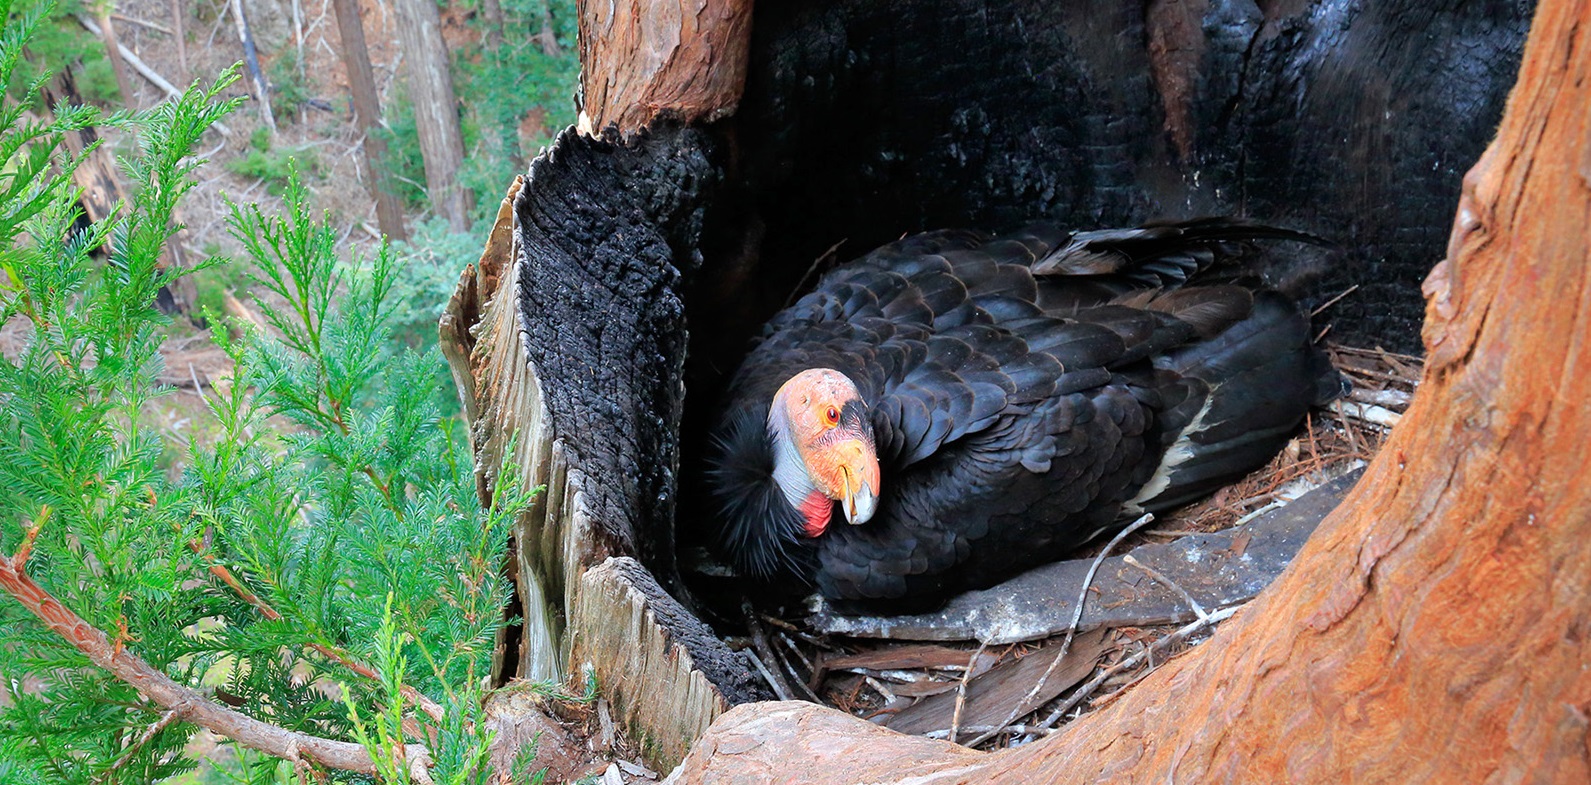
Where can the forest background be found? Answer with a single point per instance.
(229, 447)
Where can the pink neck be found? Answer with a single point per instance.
(816, 509)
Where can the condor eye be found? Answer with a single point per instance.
(831, 416)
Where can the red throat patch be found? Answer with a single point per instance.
(816, 509)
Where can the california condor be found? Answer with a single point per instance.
(951, 409)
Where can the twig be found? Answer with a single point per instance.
(1122, 690)
(198, 709)
(25, 549)
(885, 692)
(1132, 662)
(1353, 442)
(795, 676)
(1378, 353)
(1367, 413)
(961, 691)
(1009, 729)
(801, 284)
(172, 715)
(1071, 629)
(1333, 301)
(142, 23)
(766, 657)
(778, 689)
(1160, 578)
(145, 71)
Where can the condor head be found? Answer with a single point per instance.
(823, 448)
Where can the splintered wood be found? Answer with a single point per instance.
(985, 695)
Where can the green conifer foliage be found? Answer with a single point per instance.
(325, 567)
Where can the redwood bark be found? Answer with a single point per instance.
(436, 108)
(114, 55)
(367, 115)
(641, 60)
(1437, 627)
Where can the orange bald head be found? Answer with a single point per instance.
(823, 448)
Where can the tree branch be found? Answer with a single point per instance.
(188, 704)
(418, 699)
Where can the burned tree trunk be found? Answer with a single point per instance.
(860, 121)
(567, 344)
(1433, 628)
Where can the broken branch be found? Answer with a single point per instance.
(144, 70)
(1132, 662)
(25, 550)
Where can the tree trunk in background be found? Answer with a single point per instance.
(1435, 628)
(251, 57)
(367, 115)
(547, 38)
(436, 116)
(114, 55)
(492, 10)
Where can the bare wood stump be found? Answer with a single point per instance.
(567, 342)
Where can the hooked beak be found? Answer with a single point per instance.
(859, 495)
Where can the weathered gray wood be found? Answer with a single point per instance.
(1219, 569)
(990, 697)
(566, 343)
(652, 663)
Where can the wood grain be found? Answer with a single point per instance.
(684, 59)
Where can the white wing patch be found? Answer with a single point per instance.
(1180, 451)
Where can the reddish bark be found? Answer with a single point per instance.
(1437, 627)
(682, 58)
(367, 115)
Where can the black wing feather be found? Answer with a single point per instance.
(1024, 393)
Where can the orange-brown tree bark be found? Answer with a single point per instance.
(682, 58)
(1437, 627)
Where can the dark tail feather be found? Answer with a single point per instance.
(1263, 373)
(1166, 253)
